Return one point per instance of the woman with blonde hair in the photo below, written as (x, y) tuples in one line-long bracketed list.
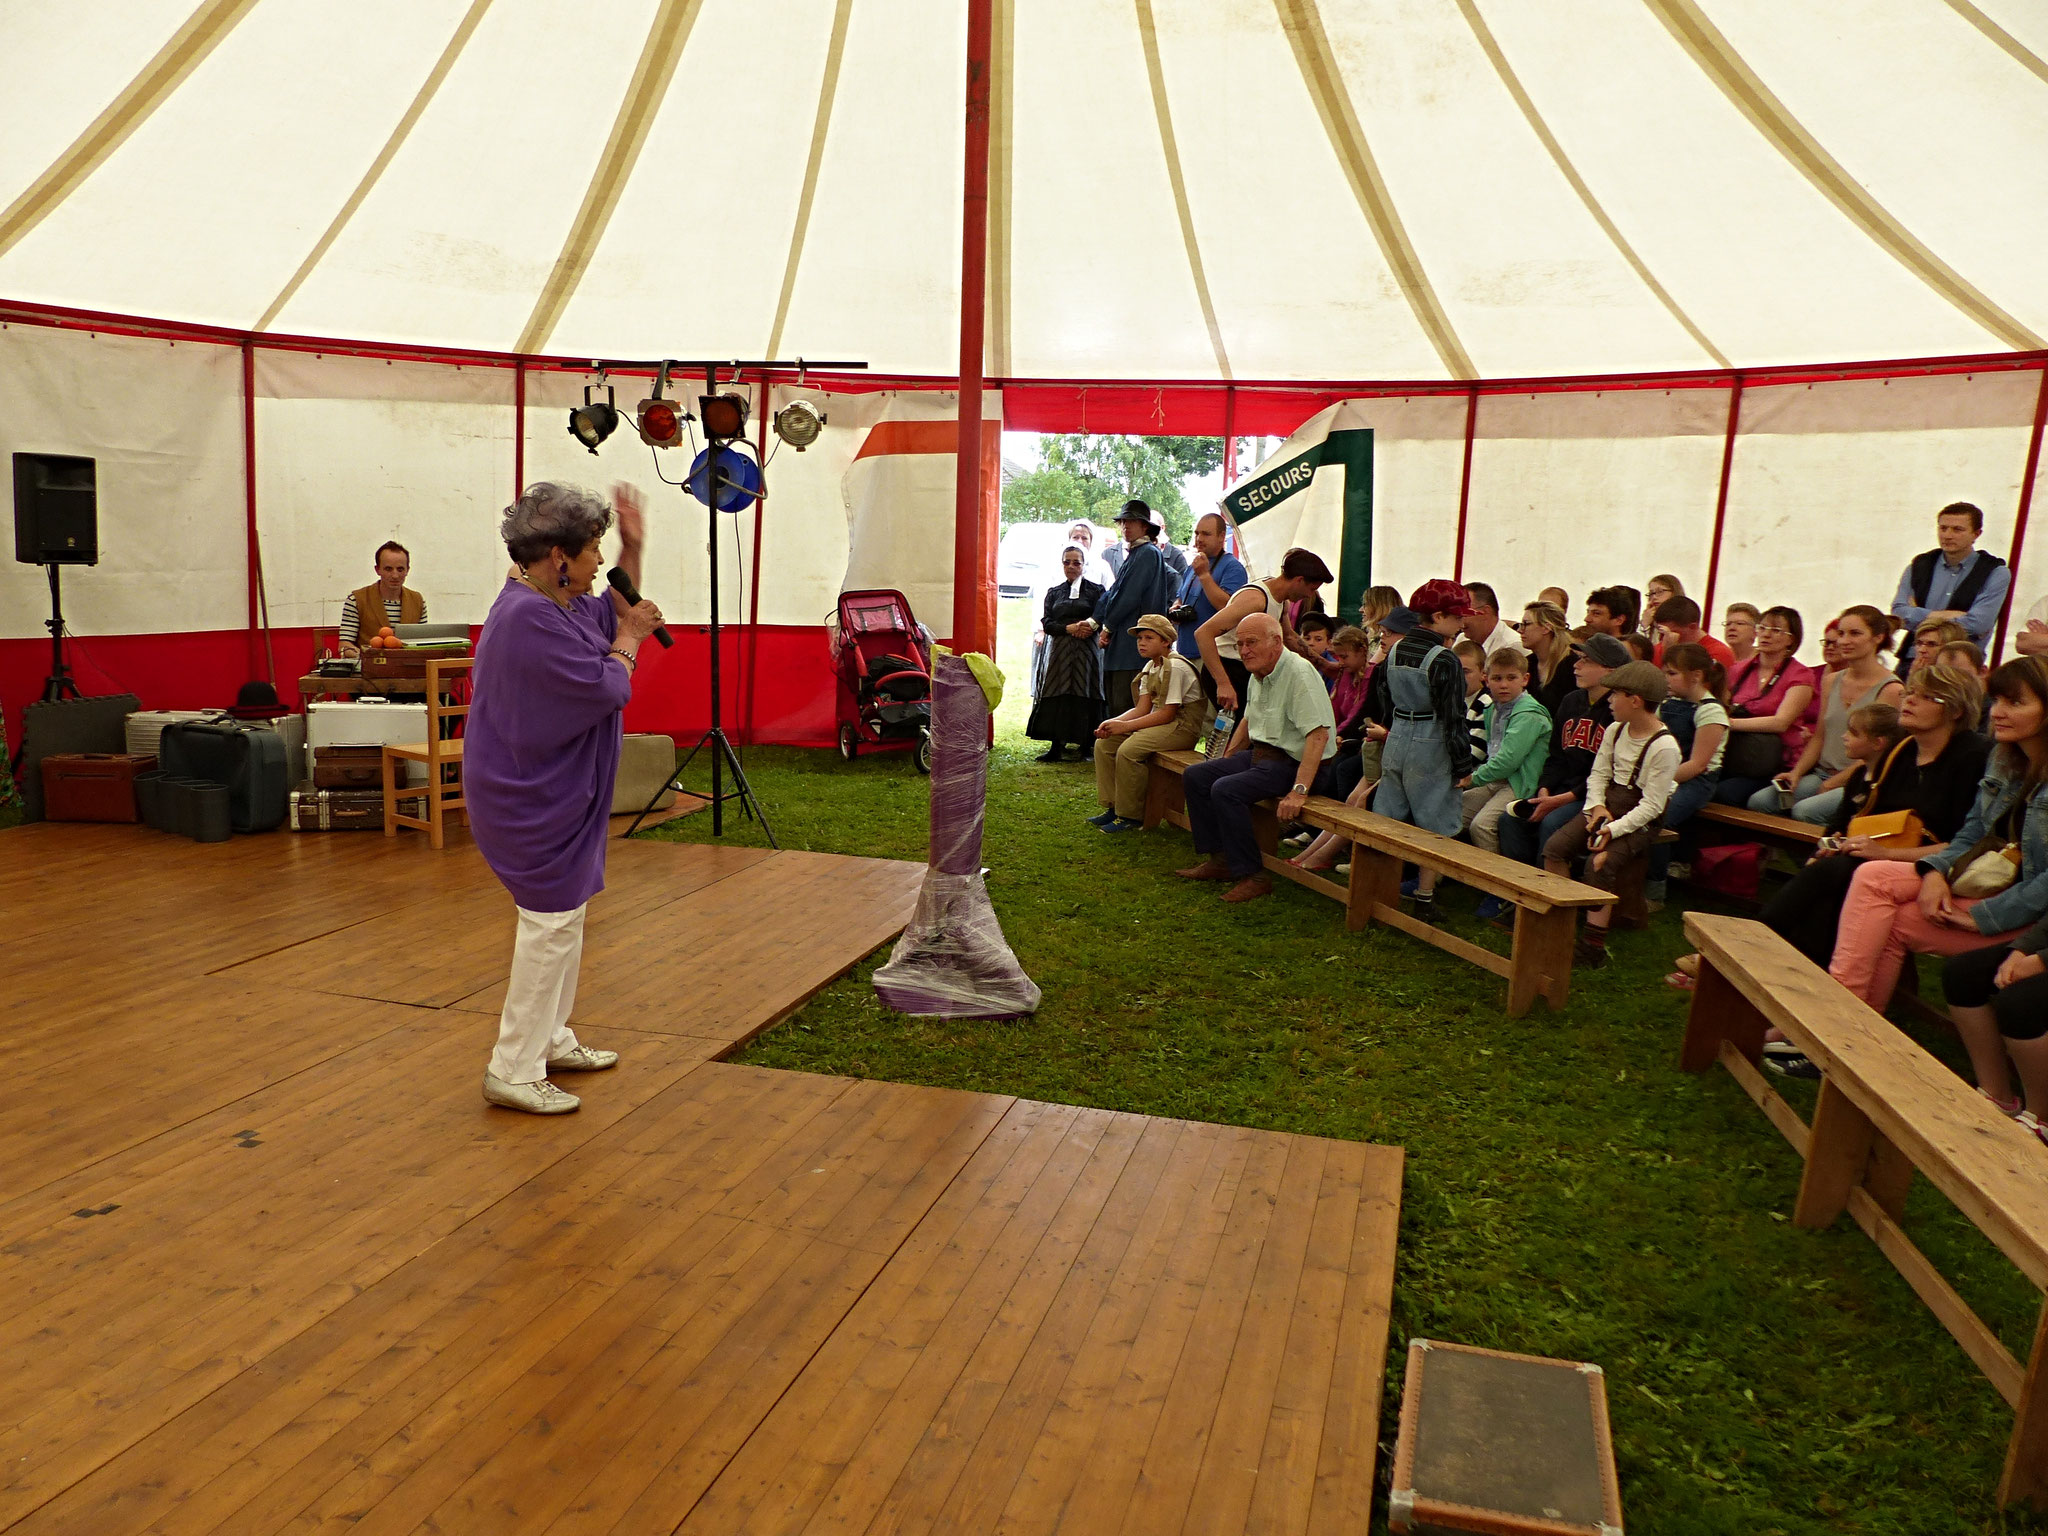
[(1546, 635), (1372, 618)]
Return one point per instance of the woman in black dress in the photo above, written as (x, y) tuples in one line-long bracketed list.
[(1068, 704)]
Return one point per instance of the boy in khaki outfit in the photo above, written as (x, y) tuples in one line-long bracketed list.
[(1169, 716)]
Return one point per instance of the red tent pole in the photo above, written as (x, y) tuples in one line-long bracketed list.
[(754, 592), (255, 557), (974, 534), (1721, 502), (2019, 524), (1465, 481), (518, 429), (1229, 436)]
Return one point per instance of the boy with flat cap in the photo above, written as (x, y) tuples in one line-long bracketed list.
[(1170, 715)]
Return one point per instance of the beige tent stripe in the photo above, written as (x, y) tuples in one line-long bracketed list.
[(1154, 72), (1002, 102), (385, 156), (828, 91), (1718, 59), (1318, 64), (176, 60), (665, 41), (1491, 46), (2024, 56)]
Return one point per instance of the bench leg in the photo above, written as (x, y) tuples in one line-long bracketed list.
[(1375, 877), (1542, 958), (1838, 1152), (2026, 1454), (1718, 1013), (1888, 1176), (1163, 794)]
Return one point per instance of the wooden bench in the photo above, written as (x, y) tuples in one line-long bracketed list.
[(1780, 829), (1886, 1108), (1540, 963)]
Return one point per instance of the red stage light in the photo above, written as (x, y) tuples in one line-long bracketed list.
[(660, 423)]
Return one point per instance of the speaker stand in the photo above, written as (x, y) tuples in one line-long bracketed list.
[(59, 685)]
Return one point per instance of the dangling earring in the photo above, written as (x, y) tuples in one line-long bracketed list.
[(562, 578)]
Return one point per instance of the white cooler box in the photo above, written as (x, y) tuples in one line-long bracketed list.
[(352, 723)]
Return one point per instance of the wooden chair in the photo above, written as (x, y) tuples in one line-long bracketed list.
[(440, 752), (1886, 1110), (1546, 905)]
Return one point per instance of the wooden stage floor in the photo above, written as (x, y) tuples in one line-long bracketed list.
[(270, 1263)]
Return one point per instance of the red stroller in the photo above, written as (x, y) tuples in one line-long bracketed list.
[(884, 660)]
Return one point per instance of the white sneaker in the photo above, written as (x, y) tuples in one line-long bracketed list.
[(583, 1059), (541, 1098)]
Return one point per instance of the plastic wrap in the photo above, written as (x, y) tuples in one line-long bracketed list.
[(952, 961)]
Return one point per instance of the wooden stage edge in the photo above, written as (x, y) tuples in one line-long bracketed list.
[(273, 1265)]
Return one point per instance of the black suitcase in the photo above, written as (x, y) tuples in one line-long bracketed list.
[(250, 762)]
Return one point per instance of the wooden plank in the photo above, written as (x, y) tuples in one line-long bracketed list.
[(1838, 1147), (1429, 933), (1541, 965), (1344, 1470), (1718, 1016), (1784, 828), (1494, 873), (1993, 1171), (1768, 1099), (2025, 1478)]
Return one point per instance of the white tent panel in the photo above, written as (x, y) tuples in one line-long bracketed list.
[(457, 239), (1300, 287), (2026, 21), (212, 203), (1418, 456), (1764, 264), (899, 511), (59, 67), (1584, 491), (1836, 486), (694, 254), (1933, 118), (353, 451), (880, 279), (2030, 581), (1516, 260), (1099, 272), (165, 423)]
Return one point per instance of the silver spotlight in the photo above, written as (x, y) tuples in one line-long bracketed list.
[(798, 424)]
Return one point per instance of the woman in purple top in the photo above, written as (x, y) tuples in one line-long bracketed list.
[(554, 668)]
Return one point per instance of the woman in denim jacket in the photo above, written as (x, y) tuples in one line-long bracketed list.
[(1894, 908)]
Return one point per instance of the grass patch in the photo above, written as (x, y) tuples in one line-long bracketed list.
[(1569, 1191)]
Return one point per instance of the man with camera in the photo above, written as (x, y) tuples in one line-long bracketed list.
[(1214, 577)]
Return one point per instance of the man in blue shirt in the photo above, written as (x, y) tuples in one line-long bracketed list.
[(1958, 581), (1212, 576)]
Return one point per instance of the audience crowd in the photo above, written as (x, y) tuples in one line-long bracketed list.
[(1592, 750)]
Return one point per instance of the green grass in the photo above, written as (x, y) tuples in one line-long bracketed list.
[(1569, 1191)]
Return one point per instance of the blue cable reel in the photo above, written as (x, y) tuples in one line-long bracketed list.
[(740, 482)]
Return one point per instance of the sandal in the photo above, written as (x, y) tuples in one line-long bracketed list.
[(1678, 981), (1687, 965), (2025, 1119)]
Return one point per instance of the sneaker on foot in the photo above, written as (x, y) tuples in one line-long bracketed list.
[(583, 1059), (1108, 815), (1491, 907), (1798, 1064), (1342, 867), (541, 1098), (1124, 824), (1782, 1048), (1592, 956), (1411, 886), (1678, 871)]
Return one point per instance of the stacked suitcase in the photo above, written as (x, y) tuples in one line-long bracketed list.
[(250, 763), (346, 790), (92, 786)]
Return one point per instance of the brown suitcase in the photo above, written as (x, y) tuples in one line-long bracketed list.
[(348, 767), (1508, 1444), (92, 786), (314, 809), (380, 665)]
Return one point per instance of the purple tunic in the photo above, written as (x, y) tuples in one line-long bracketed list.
[(541, 750)]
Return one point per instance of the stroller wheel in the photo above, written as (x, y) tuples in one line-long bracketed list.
[(924, 751), (849, 743)]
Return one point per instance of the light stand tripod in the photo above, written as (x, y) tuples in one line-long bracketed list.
[(59, 684), (722, 754)]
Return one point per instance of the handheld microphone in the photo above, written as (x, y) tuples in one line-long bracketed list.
[(622, 584)]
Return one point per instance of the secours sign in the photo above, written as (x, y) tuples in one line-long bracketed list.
[(1316, 492)]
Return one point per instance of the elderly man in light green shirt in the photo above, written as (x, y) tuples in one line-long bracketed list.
[(1275, 752)]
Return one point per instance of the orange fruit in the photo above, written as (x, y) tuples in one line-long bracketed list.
[(387, 632)]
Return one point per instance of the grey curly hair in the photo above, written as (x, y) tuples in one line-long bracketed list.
[(548, 515)]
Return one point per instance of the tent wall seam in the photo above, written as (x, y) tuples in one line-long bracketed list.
[(1155, 75), (2029, 472), (1002, 106), (1490, 46), (1303, 25), (421, 100), (1745, 90), (174, 62), (666, 40), (821, 125), (2021, 54)]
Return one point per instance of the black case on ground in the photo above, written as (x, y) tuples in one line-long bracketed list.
[(250, 762)]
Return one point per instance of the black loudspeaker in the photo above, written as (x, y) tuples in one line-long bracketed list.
[(56, 510)]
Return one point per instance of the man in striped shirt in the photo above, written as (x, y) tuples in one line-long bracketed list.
[(387, 600)]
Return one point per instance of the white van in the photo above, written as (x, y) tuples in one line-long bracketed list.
[(1028, 558)]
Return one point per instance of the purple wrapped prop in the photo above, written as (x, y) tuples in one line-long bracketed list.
[(952, 961)]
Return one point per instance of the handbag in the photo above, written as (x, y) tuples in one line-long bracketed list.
[(1751, 754), (1890, 829), (1986, 874)]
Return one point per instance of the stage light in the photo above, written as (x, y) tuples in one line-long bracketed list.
[(660, 422), (798, 424), (724, 416), (593, 421)]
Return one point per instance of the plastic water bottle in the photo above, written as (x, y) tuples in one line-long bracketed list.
[(1220, 732)]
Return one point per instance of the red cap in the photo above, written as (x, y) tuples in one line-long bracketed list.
[(1441, 596)]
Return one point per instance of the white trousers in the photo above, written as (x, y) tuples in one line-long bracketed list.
[(535, 1023)]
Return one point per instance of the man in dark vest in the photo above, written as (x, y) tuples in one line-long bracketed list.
[(1957, 581), (1145, 584), (387, 600)]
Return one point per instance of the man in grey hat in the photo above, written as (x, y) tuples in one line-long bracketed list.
[(1582, 718)]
